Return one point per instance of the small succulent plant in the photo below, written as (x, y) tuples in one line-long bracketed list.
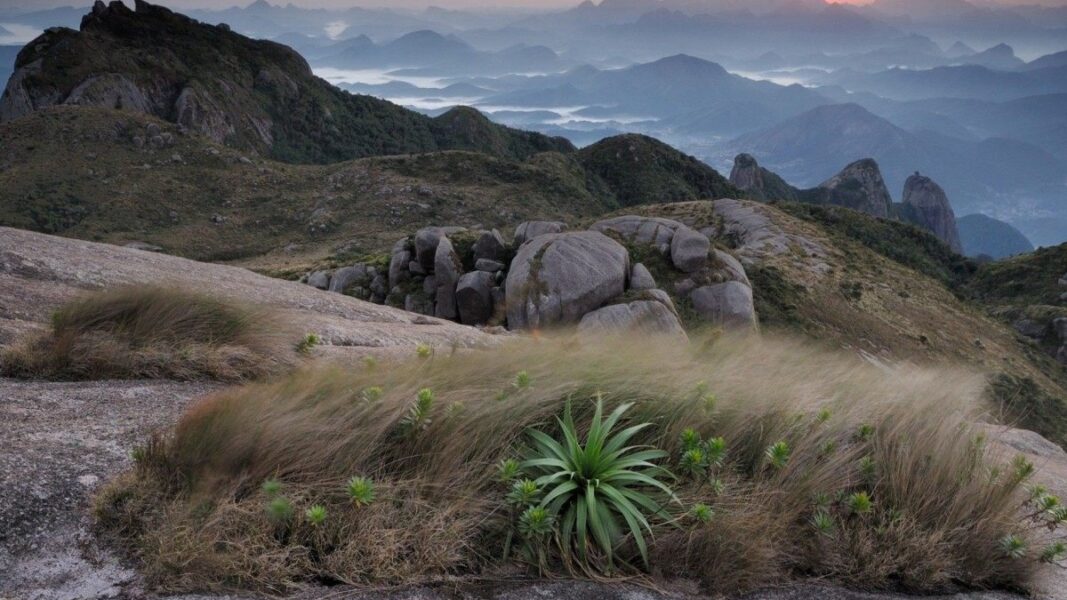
[(777, 454), (272, 487), (316, 515), (361, 490), (702, 512)]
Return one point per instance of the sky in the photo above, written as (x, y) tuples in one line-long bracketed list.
[(499, 4)]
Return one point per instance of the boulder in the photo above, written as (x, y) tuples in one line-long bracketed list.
[(1063, 280), (426, 241), (641, 230), (399, 271), (319, 279), (732, 267), (488, 265), (379, 287), (447, 269), (143, 246), (474, 298), (641, 279), (926, 205), (1030, 328), (1062, 355), (689, 250), (646, 317), (489, 245), (531, 229), (345, 277), (558, 278), (1061, 328), (660, 296), (727, 304)]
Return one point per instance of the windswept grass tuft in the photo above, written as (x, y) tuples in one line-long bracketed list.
[(857, 475), (153, 332)]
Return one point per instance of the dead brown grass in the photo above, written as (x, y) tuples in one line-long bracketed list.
[(155, 333), (194, 513)]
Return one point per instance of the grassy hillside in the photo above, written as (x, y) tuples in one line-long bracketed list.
[(250, 94), (1027, 279), (641, 169)]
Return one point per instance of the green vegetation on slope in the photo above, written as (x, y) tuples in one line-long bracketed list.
[(642, 170), (1026, 279), (736, 463)]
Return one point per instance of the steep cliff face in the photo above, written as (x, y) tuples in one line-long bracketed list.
[(251, 94), (926, 205), (858, 186), (761, 184)]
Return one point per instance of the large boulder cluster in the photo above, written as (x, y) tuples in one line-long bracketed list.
[(548, 276)]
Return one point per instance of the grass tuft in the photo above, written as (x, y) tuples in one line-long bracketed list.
[(149, 332)]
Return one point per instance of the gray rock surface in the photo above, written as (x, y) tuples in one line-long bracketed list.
[(858, 186), (641, 279), (345, 277), (474, 298), (1030, 328), (489, 245), (727, 304), (558, 278), (927, 205), (530, 229), (756, 237), (489, 265), (641, 230), (731, 267), (1060, 326), (447, 269), (426, 240), (646, 317), (319, 280), (689, 249)]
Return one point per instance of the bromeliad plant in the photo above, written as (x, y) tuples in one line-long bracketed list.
[(598, 489)]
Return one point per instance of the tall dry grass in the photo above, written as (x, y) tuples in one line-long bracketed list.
[(153, 332), (194, 512)]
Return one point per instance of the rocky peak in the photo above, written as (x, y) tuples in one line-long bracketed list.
[(858, 186), (761, 184), (926, 205)]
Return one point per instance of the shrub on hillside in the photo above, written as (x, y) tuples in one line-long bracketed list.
[(855, 476), (152, 332)]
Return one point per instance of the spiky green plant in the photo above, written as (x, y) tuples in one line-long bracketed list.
[(361, 490), (859, 503), (535, 522), (424, 350), (306, 344), (370, 361), (822, 522), (272, 487), (715, 448), (690, 439), (594, 484), (524, 492), (372, 394), (865, 432), (508, 470), (522, 380), (1054, 552), (1013, 546), (823, 415), (868, 469), (316, 515), (418, 416), (694, 461), (702, 512), (777, 454), (280, 510)]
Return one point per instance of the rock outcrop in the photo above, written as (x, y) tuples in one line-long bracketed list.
[(761, 184), (858, 186), (926, 205), (560, 278)]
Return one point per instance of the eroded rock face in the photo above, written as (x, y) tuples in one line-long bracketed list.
[(858, 186), (760, 183), (447, 270), (726, 304), (641, 279), (641, 230), (348, 276), (689, 249), (490, 245), (647, 317), (474, 298), (320, 280), (555, 279), (926, 204), (531, 229)]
